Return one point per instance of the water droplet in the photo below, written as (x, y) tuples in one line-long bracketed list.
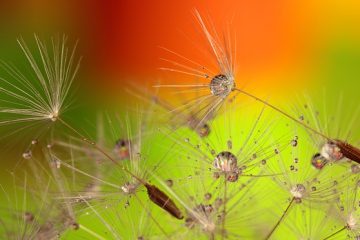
[(207, 196), (169, 183), (226, 162), (221, 85), (229, 144), (27, 155), (263, 162), (294, 143)]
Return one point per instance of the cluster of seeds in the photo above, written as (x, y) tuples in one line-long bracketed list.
[(207, 169)]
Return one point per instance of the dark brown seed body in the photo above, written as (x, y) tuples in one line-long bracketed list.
[(162, 200), (348, 150)]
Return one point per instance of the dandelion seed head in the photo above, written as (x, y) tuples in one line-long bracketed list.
[(222, 85), (129, 188), (298, 191), (351, 221)]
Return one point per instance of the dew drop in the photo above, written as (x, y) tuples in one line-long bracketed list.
[(27, 155), (169, 183), (207, 196)]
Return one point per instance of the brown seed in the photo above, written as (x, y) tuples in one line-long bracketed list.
[(162, 200), (349, 151)]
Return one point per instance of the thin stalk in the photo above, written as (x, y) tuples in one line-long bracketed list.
[(281, 219), (98, 148), (335, 233), (152, 217), (92, 233), (224, 211), (283, 113)]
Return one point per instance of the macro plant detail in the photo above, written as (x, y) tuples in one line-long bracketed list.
[(226, 164)]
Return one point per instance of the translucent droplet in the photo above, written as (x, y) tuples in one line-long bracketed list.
[(34, 142), (226, 162), (221, 85), (318, 161), (169, 183), (313, 188), (207, 196), (263, 162), (294, 143), (122, 149), (276, 151), (27, 155), (28, 217), (187, 140)]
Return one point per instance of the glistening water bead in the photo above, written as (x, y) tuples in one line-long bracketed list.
[(226, 162), (221, 85), (122, 148), (318, 161)]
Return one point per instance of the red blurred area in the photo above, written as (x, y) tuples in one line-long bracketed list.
[(126, 35), (120, 39)]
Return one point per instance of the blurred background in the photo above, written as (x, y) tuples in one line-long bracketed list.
[(284, 48)]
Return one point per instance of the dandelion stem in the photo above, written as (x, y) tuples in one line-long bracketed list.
[(92, 233), (283, 113), (97, 147), (335, 233), (224, 211), (281, 219)]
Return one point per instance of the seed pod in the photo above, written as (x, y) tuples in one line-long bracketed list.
[(348, 150), (162, 200)]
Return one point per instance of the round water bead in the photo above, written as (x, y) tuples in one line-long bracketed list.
[(27, 155), (318, 161), (203, 130), (226, 162), (221, 85), (331, 152), (128, 188), (122, 148), (232, 176), (169, 182), (28, 217), (298, 191)]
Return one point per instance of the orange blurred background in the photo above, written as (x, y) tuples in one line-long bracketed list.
[(278, 42)]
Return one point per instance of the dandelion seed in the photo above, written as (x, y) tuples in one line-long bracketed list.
[(46, 98)]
